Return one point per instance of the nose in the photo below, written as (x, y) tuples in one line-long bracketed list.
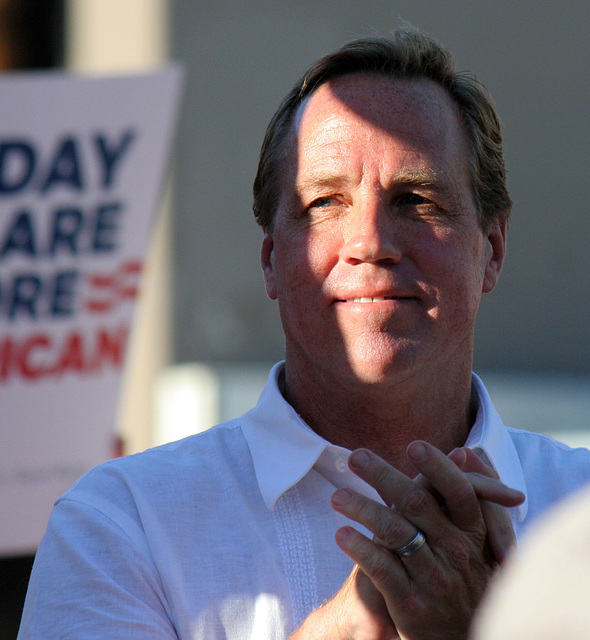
[(370, 234)]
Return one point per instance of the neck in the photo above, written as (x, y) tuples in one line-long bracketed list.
[(386, 418)]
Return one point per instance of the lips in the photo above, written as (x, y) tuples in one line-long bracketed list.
[(366, 298), (373, 293), (369, 299)]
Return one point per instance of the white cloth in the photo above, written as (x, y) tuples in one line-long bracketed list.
[(542, 593), (229, 534)]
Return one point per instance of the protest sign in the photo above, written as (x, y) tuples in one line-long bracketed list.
[(82, 165)]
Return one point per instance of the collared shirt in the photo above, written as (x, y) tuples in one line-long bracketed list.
[(229, 534)]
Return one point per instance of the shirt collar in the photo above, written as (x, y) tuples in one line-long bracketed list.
[(275, 432), (490, 439)]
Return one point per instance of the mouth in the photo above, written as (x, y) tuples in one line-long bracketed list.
[(378, 302), (367, 300)]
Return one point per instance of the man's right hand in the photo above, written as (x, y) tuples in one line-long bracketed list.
[(357, 611)]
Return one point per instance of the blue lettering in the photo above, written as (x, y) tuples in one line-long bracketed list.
[(38, 295), (20, 236), (62, 231), (63, 298), (106, 227), (111, 156), (65, 168), (17, 164), (67, 225), (25, 293)]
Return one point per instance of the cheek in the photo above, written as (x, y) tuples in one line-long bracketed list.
[(311, 257), (321, 254), (455, 267)]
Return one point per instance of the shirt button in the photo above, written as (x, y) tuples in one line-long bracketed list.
[(341, 464)]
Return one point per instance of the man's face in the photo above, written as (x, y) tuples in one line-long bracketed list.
[(376, 255)]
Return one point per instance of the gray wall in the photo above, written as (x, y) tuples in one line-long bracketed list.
[(242, 57)]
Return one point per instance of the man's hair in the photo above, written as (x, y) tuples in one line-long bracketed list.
[(406, 54)]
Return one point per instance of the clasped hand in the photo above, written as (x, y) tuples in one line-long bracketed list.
[(459, 505)]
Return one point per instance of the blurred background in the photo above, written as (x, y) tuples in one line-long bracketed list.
[(205, 333)]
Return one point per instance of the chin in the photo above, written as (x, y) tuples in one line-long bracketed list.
[(375, 376), (382, 362)]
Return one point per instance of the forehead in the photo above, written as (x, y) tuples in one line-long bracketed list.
[(418, 114)]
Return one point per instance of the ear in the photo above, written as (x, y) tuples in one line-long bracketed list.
[(496, 240), (267, 262)]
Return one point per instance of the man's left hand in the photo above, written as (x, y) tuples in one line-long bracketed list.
[(433, 592)]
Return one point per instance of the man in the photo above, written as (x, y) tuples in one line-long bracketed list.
[(381, 193)]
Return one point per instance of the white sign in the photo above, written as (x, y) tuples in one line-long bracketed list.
[(82, 162)]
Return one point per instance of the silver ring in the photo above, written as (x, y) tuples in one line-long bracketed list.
[(410, 549)]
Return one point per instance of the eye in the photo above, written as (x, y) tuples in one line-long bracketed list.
[(321, 203), (415, 205), (412, 199)]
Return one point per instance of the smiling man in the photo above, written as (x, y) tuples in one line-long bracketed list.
[(377, 256), (366, 495)]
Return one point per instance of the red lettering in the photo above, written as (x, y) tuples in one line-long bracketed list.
[(25, 359), (40, 355), (6, 351), (72, 355), (111, 347)]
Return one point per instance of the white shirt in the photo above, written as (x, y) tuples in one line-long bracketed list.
[(229, 534)]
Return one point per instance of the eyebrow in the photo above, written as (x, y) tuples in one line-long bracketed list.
[(418, 177), (430, 178), (427, 177), (319, 180)]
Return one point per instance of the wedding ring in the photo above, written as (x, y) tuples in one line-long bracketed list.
[(410, 549)]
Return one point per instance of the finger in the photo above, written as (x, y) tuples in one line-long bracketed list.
[(467, 460), (450, 482), (385, 570), (462, 458), (495, 491), (501, 537), (391, 578), (493, 496), (388, 481), (417, 505), (485, 479), (390, 528), (485, 489), (359, 585)]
